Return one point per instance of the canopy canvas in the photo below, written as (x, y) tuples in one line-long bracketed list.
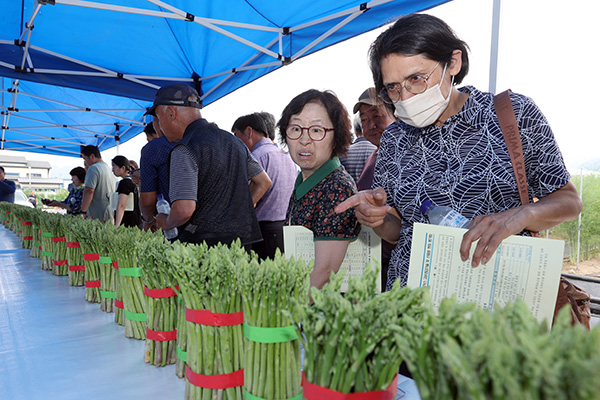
[(99, 63)]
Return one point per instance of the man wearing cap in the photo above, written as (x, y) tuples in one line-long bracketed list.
[(358, 152), (375, 116), (209, 170), (154, 173)]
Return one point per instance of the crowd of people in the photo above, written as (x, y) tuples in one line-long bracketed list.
[(418, 137)]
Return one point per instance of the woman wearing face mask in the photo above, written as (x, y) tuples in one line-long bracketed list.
[(447, 147)]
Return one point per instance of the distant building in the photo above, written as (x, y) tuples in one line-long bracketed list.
[(30, 174)]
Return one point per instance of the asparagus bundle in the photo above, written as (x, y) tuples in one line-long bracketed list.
[(27, 229), (47, 256), (74, 253), (88, 239), (130, 281), (469, 353), (60, 265), (351, 342), (181, 344), (36, 243), (108, 236), (272, 346), (161, 301), (214, 313)]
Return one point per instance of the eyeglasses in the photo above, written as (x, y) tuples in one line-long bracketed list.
[(415, 84), (315, 132)]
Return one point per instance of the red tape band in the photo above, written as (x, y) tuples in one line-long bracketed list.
[(119, 304), (76, 267), (59, 239), (73, 245), (314, 392), (205, 317), (161, 336), (160, 293), (26, 223), (27, 237), (91, 257), (115, 265), (92, 284), (60, 262), (224, 381)]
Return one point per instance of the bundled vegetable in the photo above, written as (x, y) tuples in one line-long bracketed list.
[(469, 353), (108, 236), (181, 344), (47, 256), (130, 280), (88, 239), (161, 301), (60, 265), (36, 242), (272, 346), (26, 235), (215, 346), (352, 342), (75, 261)]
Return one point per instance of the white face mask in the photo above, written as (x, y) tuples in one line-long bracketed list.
[(423, 109)]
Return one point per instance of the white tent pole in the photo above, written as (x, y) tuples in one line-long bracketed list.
[(494, 46), (579, 227)]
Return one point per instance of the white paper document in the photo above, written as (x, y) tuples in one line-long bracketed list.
[(298, 242), (522, 267)]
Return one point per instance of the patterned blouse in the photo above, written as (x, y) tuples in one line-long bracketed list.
[(73, 200), (313, 202), (465, 165)]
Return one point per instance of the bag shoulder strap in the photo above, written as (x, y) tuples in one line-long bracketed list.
[(512, 137)]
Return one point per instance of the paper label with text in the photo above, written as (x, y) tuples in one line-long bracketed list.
[(522, 267)]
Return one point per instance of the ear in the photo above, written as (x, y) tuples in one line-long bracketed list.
[(248, 131), (455, 63)]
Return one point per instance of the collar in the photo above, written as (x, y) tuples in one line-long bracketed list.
[(303, 187), (262, 142), (194, 125)]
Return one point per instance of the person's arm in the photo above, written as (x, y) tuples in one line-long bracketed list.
[(559, 206), (329, 255), (88, 194), (120, 208), (8, 186), (181, 212), (259, 185), (371, 210), (148, 209), (59, 204)]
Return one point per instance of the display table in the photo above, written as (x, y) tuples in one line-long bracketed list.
[(55, 345)]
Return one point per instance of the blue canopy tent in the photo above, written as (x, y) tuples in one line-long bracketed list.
[(131, 50)]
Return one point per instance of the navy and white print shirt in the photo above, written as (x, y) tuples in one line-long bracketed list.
[(465, 165)]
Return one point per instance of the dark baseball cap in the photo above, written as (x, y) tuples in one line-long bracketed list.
[(178, 94), (368, 97)]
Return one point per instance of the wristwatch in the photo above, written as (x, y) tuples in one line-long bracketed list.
[(149, 222)]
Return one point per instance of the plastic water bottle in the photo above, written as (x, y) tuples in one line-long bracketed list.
[(444, 216), (163, 207)]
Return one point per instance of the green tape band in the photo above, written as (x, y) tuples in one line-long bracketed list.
[(133, 272), (249, 396), (105, 260), (182, 355), (108, 294), (139, 317), (47, 253), (270, 335), (47, 234), (36, 244)]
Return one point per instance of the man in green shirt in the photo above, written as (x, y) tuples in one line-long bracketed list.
[(99, 183)]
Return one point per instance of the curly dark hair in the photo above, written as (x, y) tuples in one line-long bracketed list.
[(342, 135), (416, 34)]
